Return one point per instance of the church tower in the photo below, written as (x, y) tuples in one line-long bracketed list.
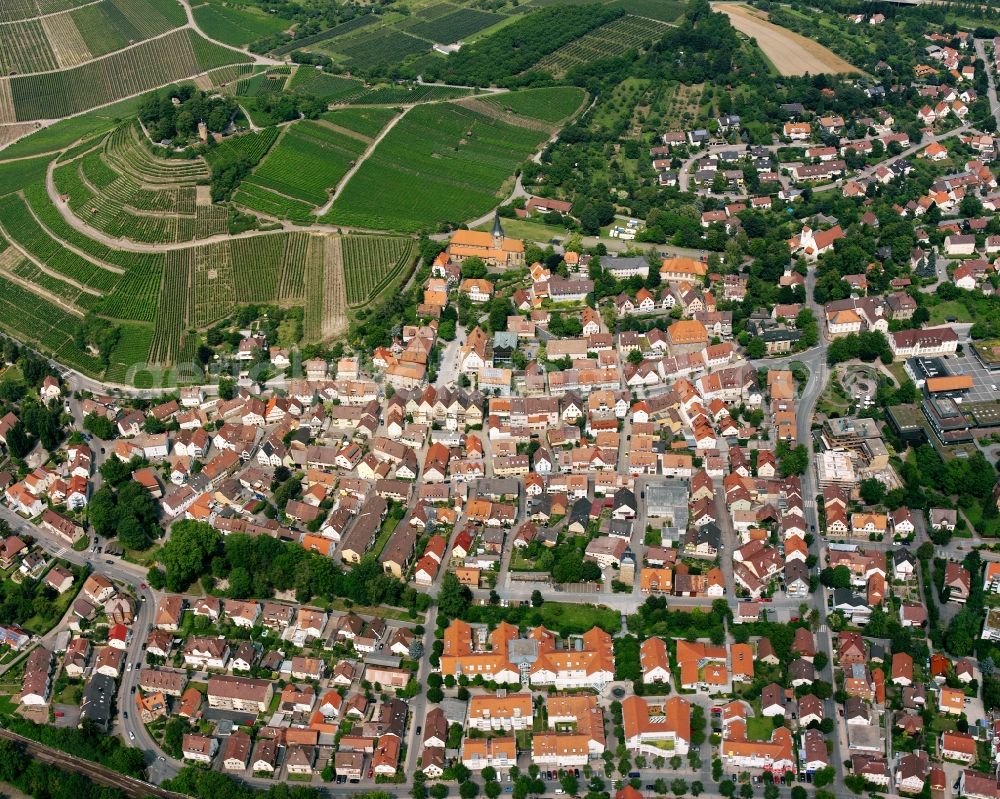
[(498, 236)]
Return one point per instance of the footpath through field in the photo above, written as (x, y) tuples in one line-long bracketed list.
[(325, 208)]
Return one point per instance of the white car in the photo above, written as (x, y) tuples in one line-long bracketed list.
[(131, 735), (129, 667)]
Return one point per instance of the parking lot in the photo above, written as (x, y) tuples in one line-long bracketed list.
[(982, 379)]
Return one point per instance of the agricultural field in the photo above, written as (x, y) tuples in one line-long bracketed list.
[(330, 33), (72, 37), (455, 26), (131, 353), (271, 204), (406, 94), (174, 295), (307, 161), (28, 317), (110, 25), (383, 46), (322, 85), (49, 95), (440, 164), (261, 83), (553, 105), (20, 227), (371, 263), (790, 52), (610, 40), (253, 146), (366, 123), (238, 25), (24, 47), (13, 10)]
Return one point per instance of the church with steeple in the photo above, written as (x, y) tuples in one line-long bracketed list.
[(494, 248)]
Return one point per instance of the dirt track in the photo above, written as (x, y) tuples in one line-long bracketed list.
[(791, 53)]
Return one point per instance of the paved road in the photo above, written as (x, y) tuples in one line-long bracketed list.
[(991, 92), (816, 362), (193, 23)]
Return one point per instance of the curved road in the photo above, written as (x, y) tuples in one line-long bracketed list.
[(193, 23)]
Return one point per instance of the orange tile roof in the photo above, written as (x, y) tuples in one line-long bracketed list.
[(949, 383), (742, 656)]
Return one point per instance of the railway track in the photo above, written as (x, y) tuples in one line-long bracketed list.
[(138, 789)]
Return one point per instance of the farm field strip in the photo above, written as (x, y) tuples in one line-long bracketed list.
[(130, 263), (292, 284), (370, 263), (312, 311), (68, 46), (334, 310), (252, 145), (384, 46), (110, 25), (332, 88), (173, 307), (791, 53), (235, 25), (607, 41), (307, 161), (552, 105), (256, 266), (127, 154), (323, 36), (365, 123), (265, 201), (8, 113), (125, 73), (31, 318), (455, 25), (22, 228), (132, 350), (24, 47), (16, 10), (396, 95)]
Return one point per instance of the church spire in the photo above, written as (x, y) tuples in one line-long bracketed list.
[(498, 234)]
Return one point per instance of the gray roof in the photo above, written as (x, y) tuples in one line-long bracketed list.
[(98, 695)]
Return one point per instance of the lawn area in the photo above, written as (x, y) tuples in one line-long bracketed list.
[(943, 724), (7, 706), (898, 369), (70, 695), (383, 537), (40, 625), (564, 614), (519, 563), (382, 611), (142, 557), (943, 310), (528, 230), (759, 728)]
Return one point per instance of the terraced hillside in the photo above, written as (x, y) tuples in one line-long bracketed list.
[(117, 234), (98, 220)]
